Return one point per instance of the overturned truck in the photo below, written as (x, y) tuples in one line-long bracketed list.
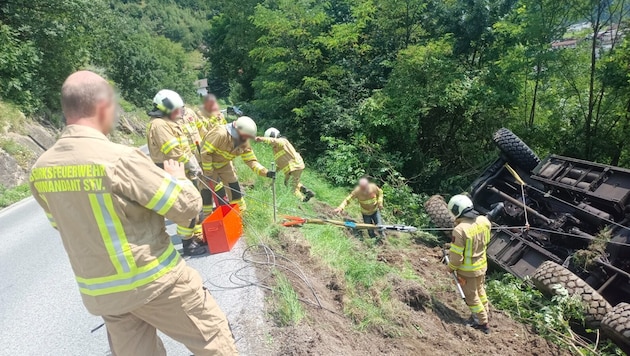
[(565, 222)]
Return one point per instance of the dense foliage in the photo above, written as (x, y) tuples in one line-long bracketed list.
[(408, 91), (419, 86), (142, 46)]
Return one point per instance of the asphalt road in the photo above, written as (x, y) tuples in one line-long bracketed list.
[(41, 311)]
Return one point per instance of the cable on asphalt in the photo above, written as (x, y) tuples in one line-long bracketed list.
[(271, 261)]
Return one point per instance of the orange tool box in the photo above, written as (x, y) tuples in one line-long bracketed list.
[(223, 228)]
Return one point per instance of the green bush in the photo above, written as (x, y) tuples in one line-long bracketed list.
[(9, 196)]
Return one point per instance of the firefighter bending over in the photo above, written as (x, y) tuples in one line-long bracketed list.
[(108, 202), (467, 257), (167, 139), (220, 146), (288, 161), (370, 198)]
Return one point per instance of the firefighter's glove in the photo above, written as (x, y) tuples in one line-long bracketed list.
[(271, 174), (193, 167)]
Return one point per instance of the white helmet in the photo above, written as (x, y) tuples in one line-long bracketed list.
[(246, 126), (460, 204), (167, 101), (272, 132)]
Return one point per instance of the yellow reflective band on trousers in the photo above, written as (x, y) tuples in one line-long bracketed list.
[(165, 197), (476, 308), (185, 231), (112, 232), (137, 277), (483, 298)]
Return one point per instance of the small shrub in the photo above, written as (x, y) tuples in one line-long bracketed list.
[(9, 196)]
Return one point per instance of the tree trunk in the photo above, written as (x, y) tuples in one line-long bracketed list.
[(532, 111)]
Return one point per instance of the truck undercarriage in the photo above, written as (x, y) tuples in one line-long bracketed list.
[(565, 221)]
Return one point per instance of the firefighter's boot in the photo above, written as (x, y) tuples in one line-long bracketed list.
[(193, 248), (308, 194)]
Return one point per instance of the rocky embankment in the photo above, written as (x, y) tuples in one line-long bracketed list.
[(19, 148)]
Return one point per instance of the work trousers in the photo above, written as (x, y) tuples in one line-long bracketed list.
[(186, 312), (476, 298), (374, 219), (226, 175), (292, 180)]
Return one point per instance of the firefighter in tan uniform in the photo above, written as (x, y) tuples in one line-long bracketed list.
[(189, 121), (370, 198), (467, 256), (108, 202), (167, 138), (210, 115), (288, 161), (220, 146)]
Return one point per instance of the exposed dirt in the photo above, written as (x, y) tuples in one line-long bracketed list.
[(432, 316)]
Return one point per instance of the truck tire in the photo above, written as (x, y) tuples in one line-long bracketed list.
[(616, 325), (438, 212), (515, 150), (550, 274)]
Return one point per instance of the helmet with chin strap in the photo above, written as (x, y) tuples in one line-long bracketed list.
[(459, 205)]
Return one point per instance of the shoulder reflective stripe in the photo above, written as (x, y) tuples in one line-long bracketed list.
[(138, 277), (112, 232), (169, 145), (165, 197), (457, 249)]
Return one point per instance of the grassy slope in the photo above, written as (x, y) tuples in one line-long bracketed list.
[(368, 306)]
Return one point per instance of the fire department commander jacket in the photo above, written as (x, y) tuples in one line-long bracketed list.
[(108, 202)]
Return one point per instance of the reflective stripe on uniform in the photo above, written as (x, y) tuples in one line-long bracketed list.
[(457, 249), (248, 156), (258, 168), (481, 263), (169, 145), (165, 197), (279, 154), (477, 308), (210, 148), (483, 298), (185, 231), (137, 277), (51, 220), (368, 201), (208, 166), (112, 232)]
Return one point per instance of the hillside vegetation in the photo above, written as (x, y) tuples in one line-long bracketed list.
[(395, 297)]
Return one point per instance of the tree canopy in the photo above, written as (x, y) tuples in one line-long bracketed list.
[(403, 90)]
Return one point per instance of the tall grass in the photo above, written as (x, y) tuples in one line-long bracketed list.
[(367, 304)]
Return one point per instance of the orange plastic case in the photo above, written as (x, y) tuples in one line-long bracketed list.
[(223, 228)]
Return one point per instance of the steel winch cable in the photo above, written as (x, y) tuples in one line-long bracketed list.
[(271, 261)]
